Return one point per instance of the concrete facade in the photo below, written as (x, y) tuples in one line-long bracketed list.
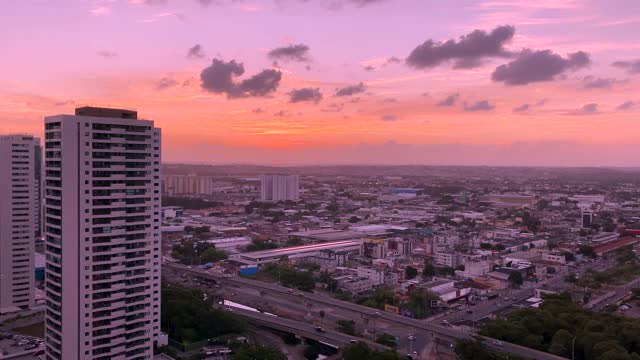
[(19, 219), (102, 208), (279, 187)]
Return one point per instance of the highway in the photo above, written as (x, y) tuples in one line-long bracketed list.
[(434, 329), (303, 329)]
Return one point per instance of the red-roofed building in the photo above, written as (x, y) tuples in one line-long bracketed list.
[(612, 246)]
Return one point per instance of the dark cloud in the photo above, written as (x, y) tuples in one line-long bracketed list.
[(389, 118), (334, 108), (195, 52), (449, 100), (282, 113), (587, 109), (187, 82), (469, 51), (165, 83), (591, 82), (305, 94), (369, 68), (393, 60), (626, 105), (389, 101), (107, 53), (219, 78), (64, 103), (297, 52), (258, 111), (482, 105), (152, 2), (351, 90), (522, 108), (534, 66), (542, 102), (632, 66)]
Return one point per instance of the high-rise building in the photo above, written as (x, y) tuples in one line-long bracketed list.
[(587, 219), (187, 184), (279, 187), (19, 216), (102, 227)]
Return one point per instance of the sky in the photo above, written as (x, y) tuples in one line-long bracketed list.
[(280, 82)]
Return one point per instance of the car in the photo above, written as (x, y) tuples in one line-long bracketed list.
[(319, 329), (497, 342), (469, 312), (411, 338), (409, 356), (353, 341)]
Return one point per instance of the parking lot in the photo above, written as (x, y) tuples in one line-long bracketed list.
[(11, 343)]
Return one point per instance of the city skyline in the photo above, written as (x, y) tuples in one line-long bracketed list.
[(339, 82)]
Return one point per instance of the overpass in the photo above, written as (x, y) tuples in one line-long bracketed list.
[(434, 329), (303, 329)]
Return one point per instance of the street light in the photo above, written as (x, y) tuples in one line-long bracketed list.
[(573, 348)]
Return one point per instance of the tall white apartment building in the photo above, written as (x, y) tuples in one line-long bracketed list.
[(19, 214), (102, 227), (279, 187)]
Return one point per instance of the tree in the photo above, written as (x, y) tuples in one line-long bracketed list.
[(253, 352), (515, 279), (542, 204), (362, 351), (387, 340), (626, 256), (346, 326), (212, 255), (429, 270), (258, 245), (410, 272), (419, 303), (472, 350), (587, 251), (354, 219)]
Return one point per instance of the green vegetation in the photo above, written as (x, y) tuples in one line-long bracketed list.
[(618, 274), (290, 277), (189, 203), (346, 327), (410, 272), (419, 303), (361, 351), (253, 352), (476, 350), (258, 245), (558, 321), (387, 340), (196, 252), (380, 296), (488, 246), (188, 318)]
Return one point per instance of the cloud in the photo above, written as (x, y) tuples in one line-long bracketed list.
[(107, 53), (99, 11), (351, 90), (297, 52), (540, 65), (258, 110), (449, 100), (591, 82), (195, 52), (305, 94), (165, 83), (522, 108), (333, 108), (626, 105), (282, 113), (219, 78), (587, 109), (389, 118), (369, 68), (482, 105), (468, 52), (632, 66), (148, 2)]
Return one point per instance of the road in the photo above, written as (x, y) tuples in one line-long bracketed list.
[(434, 329), (304, 329)]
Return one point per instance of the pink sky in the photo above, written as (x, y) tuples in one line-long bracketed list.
[(507, 106)]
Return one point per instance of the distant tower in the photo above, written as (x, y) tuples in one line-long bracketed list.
[(279, 187), (20, 159), (587, 219)]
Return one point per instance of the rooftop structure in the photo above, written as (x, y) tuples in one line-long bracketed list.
[(273, 255)]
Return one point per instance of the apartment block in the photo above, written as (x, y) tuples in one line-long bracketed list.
[(20, 156), (279, 187), (102, 228)]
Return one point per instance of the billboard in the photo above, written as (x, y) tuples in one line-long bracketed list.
[(391, 309)]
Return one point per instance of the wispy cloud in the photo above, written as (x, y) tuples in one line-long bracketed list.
[(99, 11)]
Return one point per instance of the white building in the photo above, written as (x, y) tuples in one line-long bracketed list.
[(375, 275), (446, 259), (20, 157), (102, 196), (279, 187), (478, 268), (231, 243)]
